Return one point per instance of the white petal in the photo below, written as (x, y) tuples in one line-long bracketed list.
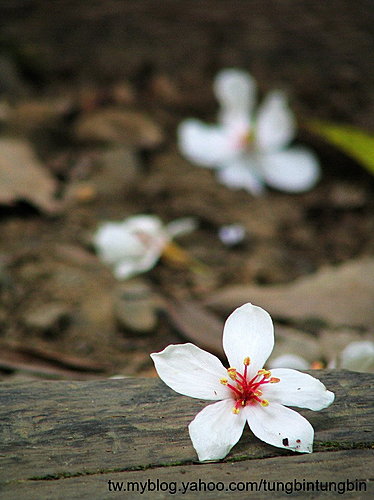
[(204, 145), (275, 125), (180, 227), (248, 331), (215, 430), (281, 427), (133, 265), (113, 242), (235, 90), (289, 361), (189, 370), (293, 170), (358, 356), (240, 173), (297, 389)]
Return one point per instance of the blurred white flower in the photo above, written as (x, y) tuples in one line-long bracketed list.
[(134, 245), (357, 356), (249, 148)]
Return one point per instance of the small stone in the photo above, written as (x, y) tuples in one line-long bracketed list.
[(48, 319), (136, 306)]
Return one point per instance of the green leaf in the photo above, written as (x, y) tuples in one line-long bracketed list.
[(353, 141)]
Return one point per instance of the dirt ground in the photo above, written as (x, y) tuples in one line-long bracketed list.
[(62, 313)]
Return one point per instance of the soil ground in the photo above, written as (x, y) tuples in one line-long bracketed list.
[(57, 313)]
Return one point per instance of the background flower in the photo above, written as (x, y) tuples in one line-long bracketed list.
[(134, 245), (249, 148)]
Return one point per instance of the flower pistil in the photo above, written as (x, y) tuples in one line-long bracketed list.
[(248, 392)]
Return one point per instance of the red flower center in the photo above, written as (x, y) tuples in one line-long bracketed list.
[(247, 392)]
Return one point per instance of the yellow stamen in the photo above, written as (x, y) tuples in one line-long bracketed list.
[(223, 381), (264, 373), (264, 402), (274, 380), (232, 373), (247, 361), (235, 410), (258, 393)]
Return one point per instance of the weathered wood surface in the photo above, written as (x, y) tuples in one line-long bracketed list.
[(68, 439)]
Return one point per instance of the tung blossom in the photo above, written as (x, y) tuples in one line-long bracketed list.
[(245, 392), (134, 245), (249, 148), (357, 356)]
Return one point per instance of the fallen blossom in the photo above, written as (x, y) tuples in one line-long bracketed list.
[(134, 245), (356, 356), (245, 392), (250, 148)]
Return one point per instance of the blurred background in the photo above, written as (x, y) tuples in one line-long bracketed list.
[(91, 95)]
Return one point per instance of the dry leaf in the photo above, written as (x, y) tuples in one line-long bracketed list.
[(341, 295), (118, 126), (197, 324), (23, 177)]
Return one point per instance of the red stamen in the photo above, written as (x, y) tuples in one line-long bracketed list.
[(239, 393), (248, 391)]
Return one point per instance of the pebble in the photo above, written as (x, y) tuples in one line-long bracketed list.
[(48, 318), (136, 306)]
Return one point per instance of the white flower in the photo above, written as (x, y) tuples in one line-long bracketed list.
[(249, 149), (245, 391), (134, 245), (356, 356)]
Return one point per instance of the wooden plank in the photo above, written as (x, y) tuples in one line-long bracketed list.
[(193, 481), (64, 429)]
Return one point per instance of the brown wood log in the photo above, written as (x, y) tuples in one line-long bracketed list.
[(69, 439)]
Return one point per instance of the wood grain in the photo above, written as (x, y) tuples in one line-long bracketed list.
[(66, 439)]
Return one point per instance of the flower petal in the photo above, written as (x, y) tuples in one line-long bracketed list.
[(297, 389), (248, 331), (275, 125), (281, 427), (133, 265), (113, 242), (293, 170), (191, 371), (235, 90), (180, 227), (240, 173), (215, 430), (204, 145), (358, 356)]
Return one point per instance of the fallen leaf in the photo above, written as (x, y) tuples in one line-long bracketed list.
[(23, 177), (119, 126), (197, 324), (337, 295), (354, 142), (296, 342)]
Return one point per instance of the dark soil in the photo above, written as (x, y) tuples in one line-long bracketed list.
[(49, 259)]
